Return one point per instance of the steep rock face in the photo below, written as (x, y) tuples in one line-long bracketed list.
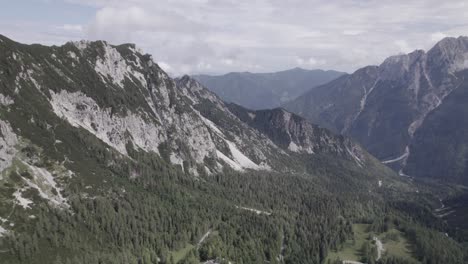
[(273, 132), (231, 133), (295, 134), (88, 110), (8, 141), (120, 96), (383, 107), (439, 148), (330, 105)]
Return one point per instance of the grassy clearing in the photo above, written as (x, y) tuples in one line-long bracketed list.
[(351, 248), (181, 253), (394, 242)]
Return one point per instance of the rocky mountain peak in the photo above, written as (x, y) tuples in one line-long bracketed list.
[(293, 133), (450, 53), (365, 72), (122, 98), (403, 60), (396, 66), (190, 83), (452, 44), (384, 107)]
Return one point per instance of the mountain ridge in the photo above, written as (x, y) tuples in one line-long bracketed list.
[(106, 159), (383, 107), (139, 104), (265, 90)]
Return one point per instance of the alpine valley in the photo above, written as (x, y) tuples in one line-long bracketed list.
[(106, 159), (409, 112)]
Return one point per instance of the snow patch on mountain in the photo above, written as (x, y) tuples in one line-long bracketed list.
[(8, 141)]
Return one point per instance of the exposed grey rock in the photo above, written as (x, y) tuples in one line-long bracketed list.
[(383, 107)]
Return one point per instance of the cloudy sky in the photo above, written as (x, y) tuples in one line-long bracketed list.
[(219, 36)]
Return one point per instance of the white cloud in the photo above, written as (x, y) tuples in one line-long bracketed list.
[(71, 27), (165, 66), (353, 32), (309, 62), (403, 46), (266, 35), (438, 36), (204, 66), (228, 62)]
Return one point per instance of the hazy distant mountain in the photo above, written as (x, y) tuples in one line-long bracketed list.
[(411, 112), (265, 90)]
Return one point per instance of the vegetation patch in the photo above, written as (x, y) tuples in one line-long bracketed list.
[(362, 248)]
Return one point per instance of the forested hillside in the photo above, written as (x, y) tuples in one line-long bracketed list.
[(106, 159)]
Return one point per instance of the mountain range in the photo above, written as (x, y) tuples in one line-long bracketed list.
[(409, 111), (106, 159), (265, 90)]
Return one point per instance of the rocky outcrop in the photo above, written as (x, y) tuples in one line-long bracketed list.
[(123, 98)]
